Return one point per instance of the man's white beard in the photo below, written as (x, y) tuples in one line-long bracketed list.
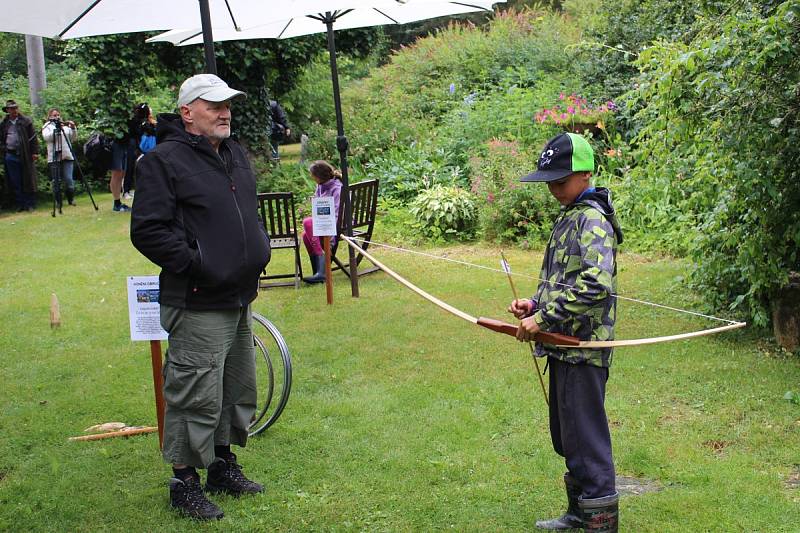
[(223, 136)]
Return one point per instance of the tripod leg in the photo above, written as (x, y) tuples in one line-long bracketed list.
[(55, 168), (53, 184), (80, 174)]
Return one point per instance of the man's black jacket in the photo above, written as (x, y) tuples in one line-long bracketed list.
[(195, 215)]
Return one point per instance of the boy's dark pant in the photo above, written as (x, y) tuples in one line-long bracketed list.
[(579, 427)]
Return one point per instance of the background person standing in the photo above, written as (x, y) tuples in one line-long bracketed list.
[(279, 128), (59, 136), (20, 147)]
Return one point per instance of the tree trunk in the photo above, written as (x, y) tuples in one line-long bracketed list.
[(786, 314), (37, 80)]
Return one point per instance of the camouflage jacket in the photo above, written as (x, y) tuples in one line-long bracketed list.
[(580, 269)]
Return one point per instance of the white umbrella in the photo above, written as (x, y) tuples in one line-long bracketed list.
[(366, 13), (371, 13), (69, 19)]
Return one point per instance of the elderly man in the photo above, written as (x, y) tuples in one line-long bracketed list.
[(195, 215), (20, 145)]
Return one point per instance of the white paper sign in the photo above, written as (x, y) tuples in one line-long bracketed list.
[(144, 311), (323, 217)]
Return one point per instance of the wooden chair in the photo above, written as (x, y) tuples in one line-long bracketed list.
[(364, 203), (278, 216)]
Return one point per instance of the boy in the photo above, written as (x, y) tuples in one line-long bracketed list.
[(577, 299)]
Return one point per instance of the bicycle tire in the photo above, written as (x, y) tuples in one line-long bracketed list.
[(263, 418)]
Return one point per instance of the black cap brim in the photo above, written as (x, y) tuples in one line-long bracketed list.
[(547, 175)]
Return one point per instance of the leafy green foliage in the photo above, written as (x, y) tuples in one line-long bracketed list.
[(405, 171), (117, 80), (122, 71), (617, 31), (310, 101), (444, 213), (12, 55), (285, 177), (717, 155), (395, 223), (423, 85)]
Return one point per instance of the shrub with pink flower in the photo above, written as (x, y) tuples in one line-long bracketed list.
[(575, 109), (509, 211)]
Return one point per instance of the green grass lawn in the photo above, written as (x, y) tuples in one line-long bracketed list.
[(401, 418)]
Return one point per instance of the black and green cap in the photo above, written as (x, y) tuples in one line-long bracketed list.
[(562, 155)]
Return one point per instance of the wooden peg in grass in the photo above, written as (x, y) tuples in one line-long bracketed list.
[(55, 312)]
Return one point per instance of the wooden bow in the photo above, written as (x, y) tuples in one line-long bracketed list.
[(558, 340)]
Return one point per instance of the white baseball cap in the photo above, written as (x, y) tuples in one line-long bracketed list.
[(208, 87)]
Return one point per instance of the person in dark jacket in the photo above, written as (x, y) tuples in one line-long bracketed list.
[(195, 215), (577, 298), (140, 123), (279, 128), (20, 147)]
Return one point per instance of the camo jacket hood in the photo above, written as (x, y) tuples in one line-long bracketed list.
[(580, 269)]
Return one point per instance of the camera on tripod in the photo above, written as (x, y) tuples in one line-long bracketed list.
[(56, 123)]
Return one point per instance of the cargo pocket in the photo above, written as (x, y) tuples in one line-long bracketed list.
[(190, 380)]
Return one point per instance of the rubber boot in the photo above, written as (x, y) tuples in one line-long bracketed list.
[(71, 196), (318, 264), (600, 515), (572, 518)]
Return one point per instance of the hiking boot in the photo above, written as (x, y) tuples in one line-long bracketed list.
[(121, 208), (225, 475), (571, 519), (186, 496)]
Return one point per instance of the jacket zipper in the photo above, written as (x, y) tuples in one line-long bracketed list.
[(236, 202)]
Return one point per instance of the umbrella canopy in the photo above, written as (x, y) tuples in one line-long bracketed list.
[(360, 14), (371, 13), (69, 19)]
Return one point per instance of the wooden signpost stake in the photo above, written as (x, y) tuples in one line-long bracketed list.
[(326, 242), (158, 385)]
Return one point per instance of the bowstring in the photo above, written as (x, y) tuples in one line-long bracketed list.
[(535, 278)]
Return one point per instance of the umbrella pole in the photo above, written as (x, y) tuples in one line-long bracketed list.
[(342, 145), (208, 39)]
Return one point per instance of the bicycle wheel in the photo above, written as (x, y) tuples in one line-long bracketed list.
[(273, 373)]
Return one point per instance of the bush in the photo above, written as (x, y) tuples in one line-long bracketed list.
[(404, 171), (718, 154), (508, 210), (285, 177), (395, 223), (445, 213), (311, 99), (427, 85)]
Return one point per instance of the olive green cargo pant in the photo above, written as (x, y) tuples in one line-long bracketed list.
[(209, 382)]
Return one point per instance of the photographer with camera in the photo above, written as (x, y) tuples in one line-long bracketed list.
[(59, 135)]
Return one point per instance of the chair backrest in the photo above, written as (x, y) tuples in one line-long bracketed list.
[(364, 203), (278, 215)]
